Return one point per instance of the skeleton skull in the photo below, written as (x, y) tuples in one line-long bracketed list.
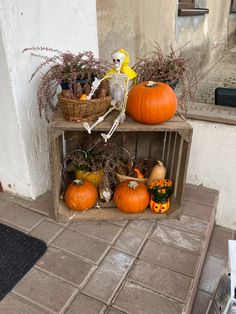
[(118, 60)]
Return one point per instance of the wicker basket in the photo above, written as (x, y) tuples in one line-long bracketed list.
[(76, 110), (122, 178)]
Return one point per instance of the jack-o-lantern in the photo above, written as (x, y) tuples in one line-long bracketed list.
[(160, 193), (160, 207)]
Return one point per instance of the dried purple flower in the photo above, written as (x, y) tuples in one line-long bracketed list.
[(63, 66)]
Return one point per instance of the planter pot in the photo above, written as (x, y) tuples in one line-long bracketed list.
[(94, 177), (172, 84), (160, 207)]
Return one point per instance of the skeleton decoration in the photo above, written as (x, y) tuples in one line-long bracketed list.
[(121, 79)]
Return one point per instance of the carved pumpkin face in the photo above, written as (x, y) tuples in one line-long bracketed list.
[(159, 207)]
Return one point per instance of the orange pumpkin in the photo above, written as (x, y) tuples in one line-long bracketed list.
[(81, 195), (151, 103), (131, 196)]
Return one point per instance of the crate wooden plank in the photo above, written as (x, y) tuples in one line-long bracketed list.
[(183, 167), (156, 145), (55, 156), (177, 122), (129, 142), (112, 213), (169, 142), (143, 145)]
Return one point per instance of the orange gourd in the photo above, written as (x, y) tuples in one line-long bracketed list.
[(138, 173), (131, 196), (151, 103), (81, 195)]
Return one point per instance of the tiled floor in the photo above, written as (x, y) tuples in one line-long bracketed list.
[(140, 266)]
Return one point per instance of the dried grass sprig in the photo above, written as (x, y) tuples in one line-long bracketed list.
[(171, 68), (63, 67)]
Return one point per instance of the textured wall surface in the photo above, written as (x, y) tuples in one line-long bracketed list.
[(64, 25), (212, 163), (137, 25)]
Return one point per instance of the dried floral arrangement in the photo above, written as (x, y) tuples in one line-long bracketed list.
[(94, 155), (172, 68), (65, 68)]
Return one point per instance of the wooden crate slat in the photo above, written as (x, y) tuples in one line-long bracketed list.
[(156, 145), (129, 142), (169, 142), (142, 145)]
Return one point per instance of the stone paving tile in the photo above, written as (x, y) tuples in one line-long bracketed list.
[(161, 280), (20, 216), (44, 204), (186, 223), (201, 194), (211, 273), (102, 229), (176, 259), (197, 210), (114, 311), (133, 236), (46, 231), (135, 299), (85, 305), (121, 223), (64, 265), (15, 199), (201, 303), (45, 290), (219, 242), (107, 277), (81, 244), (12, 304), (14, 226), (178, 238)]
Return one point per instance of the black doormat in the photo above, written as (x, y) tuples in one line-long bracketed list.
[(18, 253)]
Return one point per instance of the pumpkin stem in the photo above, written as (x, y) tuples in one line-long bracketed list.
[(78, 181), (160, 164), (151, 84), (133, 185)]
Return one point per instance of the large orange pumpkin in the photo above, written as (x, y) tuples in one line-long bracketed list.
[(131, 196), (81, 195), (151, 103)]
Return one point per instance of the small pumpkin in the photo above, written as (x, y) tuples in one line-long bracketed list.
[(80, 195), (151, 102), (131, 196), (159, 207), (83, 97), (158, 172)]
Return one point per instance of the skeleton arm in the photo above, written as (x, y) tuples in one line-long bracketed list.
[(95, 85), (121, 116)]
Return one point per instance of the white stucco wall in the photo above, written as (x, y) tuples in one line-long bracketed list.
[(64, 25), (213, 164)]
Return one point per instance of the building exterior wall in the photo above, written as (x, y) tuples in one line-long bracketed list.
[(64, 25), (137, 25), (212, 163)]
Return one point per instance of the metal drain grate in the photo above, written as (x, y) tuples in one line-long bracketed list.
[(221, 297)]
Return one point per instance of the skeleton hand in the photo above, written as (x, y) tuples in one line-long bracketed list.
[(95, 85)]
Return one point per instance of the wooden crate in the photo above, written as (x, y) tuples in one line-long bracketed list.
[(169, 142)]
